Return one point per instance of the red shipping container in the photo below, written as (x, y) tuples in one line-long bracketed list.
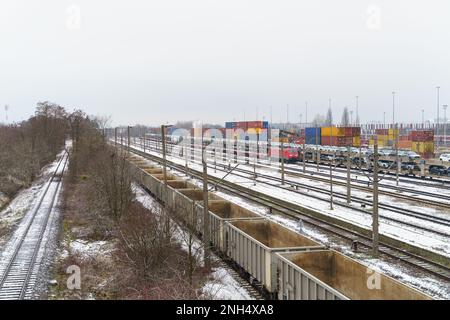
[(326, 140), (241, 125), (356, 131), (422, 135), (382, 132), (427, 155), (405, 137), (337, 141)]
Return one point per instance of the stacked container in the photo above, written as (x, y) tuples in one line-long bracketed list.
[(341, 136), (423, 143), (313, 135)]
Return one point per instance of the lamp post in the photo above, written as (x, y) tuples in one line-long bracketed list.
[(437, 116), (357, 111), (306, 112), (331, 162), (393, 108), (163, 142), (423, 121), (394, 127), (445, 124)]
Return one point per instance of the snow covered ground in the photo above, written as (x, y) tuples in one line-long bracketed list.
[(13, 213), (18, 215)]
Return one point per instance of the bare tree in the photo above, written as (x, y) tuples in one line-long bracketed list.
[(345, 121), (329, 117)]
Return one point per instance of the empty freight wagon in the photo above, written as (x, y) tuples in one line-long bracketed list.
[(252, 244), (222, 211), (330, 275)]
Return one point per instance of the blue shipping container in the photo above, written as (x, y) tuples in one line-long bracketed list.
[(265, 124), (312, 140), (313, 131), (230, 125)]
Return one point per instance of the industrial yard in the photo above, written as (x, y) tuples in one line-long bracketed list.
[(401, 221), (225, 159)]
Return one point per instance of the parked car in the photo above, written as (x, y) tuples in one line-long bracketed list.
[(412, 155), (358, 160), (410, 167), (384, 152), (438, 170), (386, 164), (341, 160), (326, 157), (445, 157)]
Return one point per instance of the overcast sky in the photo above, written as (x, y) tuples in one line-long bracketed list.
[(160, 61)]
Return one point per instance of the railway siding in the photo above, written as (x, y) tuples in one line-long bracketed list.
[(276, 205)]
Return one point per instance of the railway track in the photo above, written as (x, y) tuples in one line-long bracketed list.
[(427, 181), (18, 272), (297, 187), (297, 212), (389, 190)]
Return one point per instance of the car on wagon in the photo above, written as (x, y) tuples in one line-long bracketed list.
[(445, 157), (438, 170)]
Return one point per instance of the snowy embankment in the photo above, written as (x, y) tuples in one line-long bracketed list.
[(221, 285), (13, 213)]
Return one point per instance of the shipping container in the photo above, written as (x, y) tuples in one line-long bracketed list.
[(356, 131), (280, 139), (330, 275), (337, 141), (422, 136), (313, 132), (357, 141), (313, 140), (230, 125), (405, 137), (381, 143), (405, 144), (393, 132), (253, 244), (333, 131), (427, 155), (423, 147), (383, 132)]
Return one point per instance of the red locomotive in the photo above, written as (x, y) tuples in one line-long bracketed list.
[(289, 154)]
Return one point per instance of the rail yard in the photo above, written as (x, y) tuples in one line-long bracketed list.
[(260, 205), (225, 159)]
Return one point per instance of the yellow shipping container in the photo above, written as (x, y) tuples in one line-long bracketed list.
[(381, 143), (333, 131), (423, 147), (356, 141), (282, 139), (393, 132)]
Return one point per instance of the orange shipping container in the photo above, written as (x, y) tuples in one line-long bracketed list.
[(405, 144), (333, 131)]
